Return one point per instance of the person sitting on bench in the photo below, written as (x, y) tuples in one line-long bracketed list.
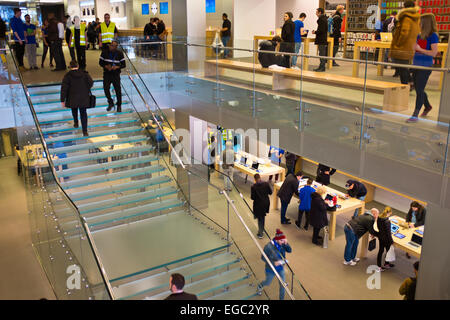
[(268, 59)]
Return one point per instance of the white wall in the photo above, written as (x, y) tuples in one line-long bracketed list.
[(296, 7)]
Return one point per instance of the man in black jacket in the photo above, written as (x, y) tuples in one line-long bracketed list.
[(354, 230), (287, 190), (321, 38), (268, 59), (260, 192), (324, 173), (288, 37), (337, 36), (176, 283), (112, 61), (357, 190)]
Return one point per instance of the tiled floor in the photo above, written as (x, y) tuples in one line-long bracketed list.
[(21, 274)]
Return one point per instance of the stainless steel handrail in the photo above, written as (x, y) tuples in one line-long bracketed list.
[(52, 167), (294, 54), (226, 196)]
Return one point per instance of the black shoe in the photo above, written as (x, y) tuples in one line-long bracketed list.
[(75, 125), (319, 70), (286, 222), (396, 75), (110, 107), (306, 228), (119, 109), (260, 236), (335, 64), (85, 134), (297, 224)]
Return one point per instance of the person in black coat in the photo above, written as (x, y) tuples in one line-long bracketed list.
[(287, 35), (384, 236), (75, 94), (416, 215), (321, 38), (287, 190), (318, 214), (337, 36), (324, 173), (260, 192), (267, 59), (357, 190)]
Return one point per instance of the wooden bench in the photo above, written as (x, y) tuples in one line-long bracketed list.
[(395, 95)]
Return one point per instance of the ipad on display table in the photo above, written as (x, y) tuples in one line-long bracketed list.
[(399, 235)]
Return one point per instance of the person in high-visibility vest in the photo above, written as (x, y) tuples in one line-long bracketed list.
[(108, 32), (77, 40)]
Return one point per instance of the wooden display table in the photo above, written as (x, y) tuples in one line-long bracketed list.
[(35, 161), (383, 45), (395, 95), (350, 204)]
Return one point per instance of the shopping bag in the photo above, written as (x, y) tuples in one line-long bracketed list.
[(325, 237), (372, 244), (390, 255), (217, 43)]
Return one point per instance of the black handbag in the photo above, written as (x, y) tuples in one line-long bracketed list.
[(372, 244), (92, 100)]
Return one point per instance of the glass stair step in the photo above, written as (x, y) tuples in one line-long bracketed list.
[(95, 145), (116, 216), (101, 103), (244, 292), (118, 188), (75, 137), (101, 155), (124, 200), (56, 87), (94, 89), (209, 285), (55, 118), (40, 102), (133, 249), (69, 127), (161, 280), (111, 177), (105, 166)]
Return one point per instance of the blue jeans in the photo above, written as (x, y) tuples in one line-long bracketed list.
[(269, 277), (298, 47), (225, 43), (284, 206), (351, 247), (420, 82), (355, 214)]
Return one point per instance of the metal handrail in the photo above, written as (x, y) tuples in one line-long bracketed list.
[(52, 167), (227, 198), (297, 55)]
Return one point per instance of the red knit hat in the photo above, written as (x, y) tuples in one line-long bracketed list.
[(279, 235)]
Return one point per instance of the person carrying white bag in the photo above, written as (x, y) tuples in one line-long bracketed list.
[(382, 227)]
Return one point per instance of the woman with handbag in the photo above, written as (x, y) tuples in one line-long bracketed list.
[(76, 94), (382, 227), (318, 214)]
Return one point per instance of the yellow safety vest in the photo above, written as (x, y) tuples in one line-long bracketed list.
[(107, 32), (82, 35)]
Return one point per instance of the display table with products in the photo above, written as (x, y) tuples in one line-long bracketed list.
[(344, 204), (395, 95), (383, 45), (306, 44), (32, 157), (401, 242)]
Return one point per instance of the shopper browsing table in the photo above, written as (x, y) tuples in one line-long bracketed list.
[(225, 33), (318, 214), (354, 230), (287, 190), (324, 173), (321, 38), (112, 61), (276, 250), (298, 33), (382, 228), (357, 190), (305, 204), (260, 192)]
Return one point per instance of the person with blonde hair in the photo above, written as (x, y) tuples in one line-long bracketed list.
[(382, 227), (426, 48), (318, 214)]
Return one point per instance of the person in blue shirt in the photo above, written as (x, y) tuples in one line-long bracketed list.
[(298, 33), (30, 47), (275, 250), (426, 49), (305, 204), (18, 29)]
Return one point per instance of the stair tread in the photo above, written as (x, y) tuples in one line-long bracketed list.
[(123, 214), (243, 292), (160, 280), (124, 200), (92, 124), (101, 155), (92, 193), (73, 137), (93, 145), (130, 249), (210, 284), (55, 118), (111, 176), (39, 102), (101, 103)]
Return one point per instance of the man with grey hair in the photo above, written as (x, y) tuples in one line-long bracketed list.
[(228, 165), (354, 230)]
